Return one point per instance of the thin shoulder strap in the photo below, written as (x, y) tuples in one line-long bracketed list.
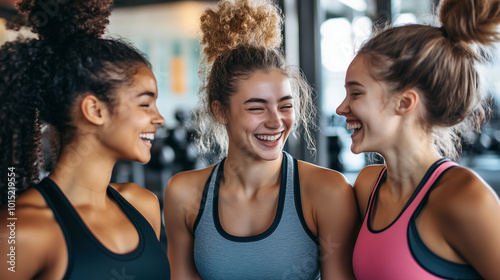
[(61, 207), (207, 195), (375, 187), (443, 166)]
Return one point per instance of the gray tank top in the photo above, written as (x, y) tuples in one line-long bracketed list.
[(286, 250)]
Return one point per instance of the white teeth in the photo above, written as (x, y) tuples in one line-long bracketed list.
[(147, 136), (353, 126), (270, 138)]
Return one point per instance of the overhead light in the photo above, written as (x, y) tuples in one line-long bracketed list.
[(358, 5)]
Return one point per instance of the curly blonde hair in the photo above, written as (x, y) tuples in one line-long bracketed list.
[(244, 22), (241, 37)]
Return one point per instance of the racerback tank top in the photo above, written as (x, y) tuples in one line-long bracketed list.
[(397, 252), (286, 250), (89, 259)]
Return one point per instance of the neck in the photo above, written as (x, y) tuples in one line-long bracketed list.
[(408, 162), (251, 174), (83, 175)]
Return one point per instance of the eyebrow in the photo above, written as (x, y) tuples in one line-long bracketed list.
[(260, 100), (148, 93), (352, 83)]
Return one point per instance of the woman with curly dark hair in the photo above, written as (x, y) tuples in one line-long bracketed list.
[(259, 213), (98, 97)]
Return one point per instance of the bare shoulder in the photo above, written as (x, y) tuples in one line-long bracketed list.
[(143, 200), (462, 193), (316, 178), (183, 196), (34, 233), (321, 186), (31, 212), (330, 212), (365, 182), (467, 211), (368, 176), (184, 185), (136, 195)]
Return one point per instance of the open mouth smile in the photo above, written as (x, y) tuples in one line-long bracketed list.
[(269, 138), (354, 126), (148, 137)]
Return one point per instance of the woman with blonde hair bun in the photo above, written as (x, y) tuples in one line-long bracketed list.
[(259, 213), (412, 91)]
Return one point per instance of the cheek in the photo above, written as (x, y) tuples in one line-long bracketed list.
[(290, 119), (362, 108), (252, 122)]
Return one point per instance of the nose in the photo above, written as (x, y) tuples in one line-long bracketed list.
[(158, 119), (343, 108), (273, 119)]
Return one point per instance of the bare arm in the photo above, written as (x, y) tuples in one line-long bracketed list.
[(32, 246), (182, 204), (337, 221), (472, 228)]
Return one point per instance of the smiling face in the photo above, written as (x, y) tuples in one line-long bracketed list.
[(260, 116), (368, 109), (133, 122)]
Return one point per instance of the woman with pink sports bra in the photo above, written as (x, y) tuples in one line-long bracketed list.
[(411, 91)]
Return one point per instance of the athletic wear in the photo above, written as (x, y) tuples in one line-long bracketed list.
[(397, 252), (89, 259), (286, 250)]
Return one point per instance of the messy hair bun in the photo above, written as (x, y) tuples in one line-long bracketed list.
[(442, 64), (471, 21), (240, 22), (58, 20)]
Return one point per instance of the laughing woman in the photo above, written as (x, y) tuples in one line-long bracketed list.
[(259, 213), (411, 92), (99, 98)]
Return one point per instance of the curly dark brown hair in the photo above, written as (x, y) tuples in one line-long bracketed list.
[(41, 78), (59, 20)]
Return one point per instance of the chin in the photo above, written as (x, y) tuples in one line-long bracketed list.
[(142, 159), (271, 155), (356, 150)]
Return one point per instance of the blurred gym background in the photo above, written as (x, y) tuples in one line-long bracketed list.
[(321, 36)]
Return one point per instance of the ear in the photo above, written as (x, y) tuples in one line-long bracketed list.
[(93, 109), (219, 113), (407, 101)]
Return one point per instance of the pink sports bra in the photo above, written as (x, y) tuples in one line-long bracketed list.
[(397, 252)]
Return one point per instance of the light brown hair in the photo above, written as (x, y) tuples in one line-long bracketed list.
[(441, 63)]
